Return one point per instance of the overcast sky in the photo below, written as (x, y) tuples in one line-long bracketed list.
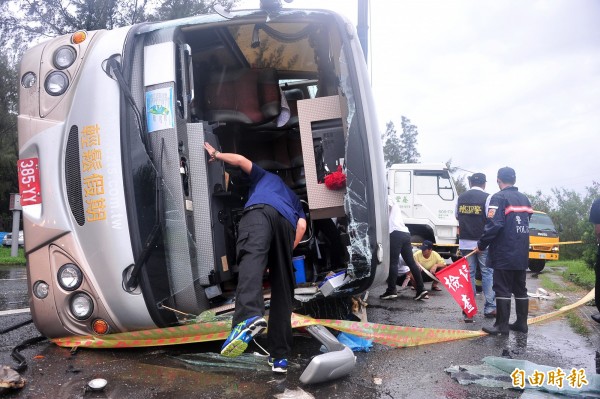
[(490, 83)]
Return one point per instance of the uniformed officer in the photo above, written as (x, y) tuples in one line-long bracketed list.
[(471, 215), (507, 235)]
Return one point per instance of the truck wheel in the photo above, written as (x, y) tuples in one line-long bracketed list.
[(537, 265), (417, 239)]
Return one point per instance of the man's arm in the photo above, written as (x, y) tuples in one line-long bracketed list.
[(300, 229), (232, 159), (494, 224)]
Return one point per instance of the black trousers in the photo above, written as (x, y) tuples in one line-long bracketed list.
[(266, 238), (597, 270), (507, 282), (400, 245)]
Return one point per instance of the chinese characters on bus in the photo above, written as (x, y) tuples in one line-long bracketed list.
[(93, 180)]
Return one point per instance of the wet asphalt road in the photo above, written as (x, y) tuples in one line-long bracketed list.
[(384, 372)]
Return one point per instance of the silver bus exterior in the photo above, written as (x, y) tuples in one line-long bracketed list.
[(130, 228)]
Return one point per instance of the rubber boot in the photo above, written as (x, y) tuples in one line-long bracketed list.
[(522, 309), (502, 316)]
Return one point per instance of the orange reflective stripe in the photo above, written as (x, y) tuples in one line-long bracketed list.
[(510, 209)]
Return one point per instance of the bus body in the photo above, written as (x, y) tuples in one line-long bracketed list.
[(543, 241), (127, 225), (427, 197)]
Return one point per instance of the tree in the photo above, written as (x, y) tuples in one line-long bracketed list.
[(174, 9), (50, 18), (408, 142), (569, 211), (8, 135), (459, 181), (391, 148)]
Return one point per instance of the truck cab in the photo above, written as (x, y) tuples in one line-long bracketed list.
[(543, 241), (427, 197)]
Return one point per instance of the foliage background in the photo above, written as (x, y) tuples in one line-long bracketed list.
[(26, 22)]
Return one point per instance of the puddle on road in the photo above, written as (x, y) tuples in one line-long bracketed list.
[(13, 288)]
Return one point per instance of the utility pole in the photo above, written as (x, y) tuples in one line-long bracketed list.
[(362, 27)]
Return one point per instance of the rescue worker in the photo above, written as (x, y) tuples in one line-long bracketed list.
[(271, 227), (507, 235), (471, 215)]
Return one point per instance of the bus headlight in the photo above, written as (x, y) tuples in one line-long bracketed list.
[(69, 277), (56, 83), (64, 57), (81, 306), (41, 289), (28, 80)]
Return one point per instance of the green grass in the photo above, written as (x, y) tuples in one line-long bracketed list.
[(6, 259), (550, 285), (577, 272)]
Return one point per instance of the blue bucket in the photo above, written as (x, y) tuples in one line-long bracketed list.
[(298, 262)]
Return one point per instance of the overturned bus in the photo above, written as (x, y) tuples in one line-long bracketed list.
[(128, 226)]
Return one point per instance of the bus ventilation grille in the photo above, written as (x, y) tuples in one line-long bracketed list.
[(73, 175)]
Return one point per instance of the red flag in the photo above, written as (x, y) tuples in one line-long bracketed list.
[(457, 280)]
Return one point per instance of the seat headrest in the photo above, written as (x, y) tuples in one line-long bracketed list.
[(293, 94)]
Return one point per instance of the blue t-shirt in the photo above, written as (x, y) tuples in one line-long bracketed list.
[(268, 188)]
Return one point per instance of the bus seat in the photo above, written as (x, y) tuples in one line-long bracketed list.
[(247, 96), (292, 96)]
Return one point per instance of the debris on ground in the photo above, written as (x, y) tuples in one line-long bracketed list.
[(298, 393), (501, 372), (10, 379), (247, 361)]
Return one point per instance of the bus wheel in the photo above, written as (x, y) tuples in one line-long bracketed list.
[(537, 265)]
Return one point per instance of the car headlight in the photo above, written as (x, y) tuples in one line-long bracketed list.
[(69, 277), (28, 80), (64, 57), (81, 306), (56, 83), (41, 289)]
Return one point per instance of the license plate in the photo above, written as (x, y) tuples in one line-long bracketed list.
[(542, 256), (29, 181)]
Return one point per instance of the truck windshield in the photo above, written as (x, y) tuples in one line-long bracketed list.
[(434, 183), (542, 222)]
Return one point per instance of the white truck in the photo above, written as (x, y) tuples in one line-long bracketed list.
[(427, 197)]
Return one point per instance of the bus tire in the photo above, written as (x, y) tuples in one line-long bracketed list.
[(537, 265)]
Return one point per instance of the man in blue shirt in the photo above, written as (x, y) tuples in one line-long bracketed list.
[(271, 226)]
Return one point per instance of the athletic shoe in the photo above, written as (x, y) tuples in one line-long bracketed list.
[(388, 295), (241, 335), (278, 365), (422, 295)]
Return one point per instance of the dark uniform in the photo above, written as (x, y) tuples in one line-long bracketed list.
[(595, 219), (266, 237), (471, 215), (507, 235)]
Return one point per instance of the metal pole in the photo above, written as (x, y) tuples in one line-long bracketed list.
[(362, 27), (14, 248)]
